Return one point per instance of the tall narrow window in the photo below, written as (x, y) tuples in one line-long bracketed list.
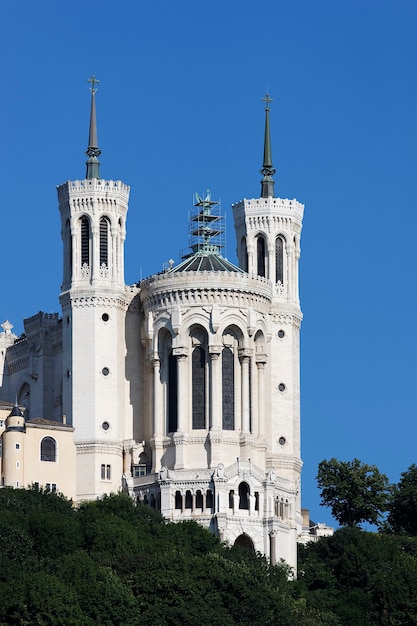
[(68, 251), (244, 260), (243, 496), (104, 241), (279, 260), (85, 242), (199, 387), (172, 394), (260, 255), (228, 390), (48, 449)]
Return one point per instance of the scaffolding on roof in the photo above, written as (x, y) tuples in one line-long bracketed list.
[(206, 231)]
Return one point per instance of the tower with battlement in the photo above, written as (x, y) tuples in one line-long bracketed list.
[(94, 303)]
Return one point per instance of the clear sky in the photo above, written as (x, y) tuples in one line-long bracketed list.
[(179, 110)]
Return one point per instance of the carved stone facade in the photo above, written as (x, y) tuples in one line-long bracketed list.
[(182, 390)]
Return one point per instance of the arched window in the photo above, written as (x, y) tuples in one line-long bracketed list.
[(188, 500), (178, 500), (85, 242), (198, 499), (231, 499), (279, 260), (209, 499), (244, 496), (260, 255), (172, 394), (104, 241), (244, 541), (228, 390), (48, 449), (199, 387)]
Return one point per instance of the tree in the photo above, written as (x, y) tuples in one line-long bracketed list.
[(354, 491), (402, 517)]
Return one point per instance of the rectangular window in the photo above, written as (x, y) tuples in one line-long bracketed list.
[(17, 464), (18, 446), (105, 472), (51, 487), (138, 470)]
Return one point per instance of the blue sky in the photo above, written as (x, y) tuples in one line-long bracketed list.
[(179, 111)]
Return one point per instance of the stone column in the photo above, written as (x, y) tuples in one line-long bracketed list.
[(296, 287), (215, 388), (244, 356), (95, 253), (290, 286), (251, 269), (271, 263), (272, 547), (157, 420), (113, 260), (157, 413), (182, 389), (260, 426)]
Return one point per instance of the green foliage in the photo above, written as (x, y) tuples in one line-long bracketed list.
[(402, 516), (113, 563), (354, 491), (365, 579)]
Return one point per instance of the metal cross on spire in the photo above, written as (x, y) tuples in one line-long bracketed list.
[(268, 170), (267, 99), (93, 151), (94, 81)]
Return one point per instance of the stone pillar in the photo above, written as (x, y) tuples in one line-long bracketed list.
[(260, 426), (157, 421), (95, 253), (157, 412), (270, 273), (251, 269), (215, 388), (113, 260), (244, 356), (296, 287), (290, 287), (182, 390), (272, 547)]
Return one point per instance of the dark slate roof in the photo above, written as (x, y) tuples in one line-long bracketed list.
[(206, 263)]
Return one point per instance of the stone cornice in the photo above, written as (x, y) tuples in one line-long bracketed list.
[(97, 447), (81, 298), (190, 289)]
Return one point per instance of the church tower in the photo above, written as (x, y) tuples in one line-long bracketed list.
[(268, 231), (94, 302)]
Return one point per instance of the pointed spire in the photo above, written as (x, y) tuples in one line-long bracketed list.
[(93, 152), (267, 182)]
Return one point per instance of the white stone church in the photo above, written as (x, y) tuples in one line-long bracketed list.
[(182, 390)]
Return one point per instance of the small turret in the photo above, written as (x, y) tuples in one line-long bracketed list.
[(15, 421)]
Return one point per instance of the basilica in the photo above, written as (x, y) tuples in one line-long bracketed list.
[(182, 390)]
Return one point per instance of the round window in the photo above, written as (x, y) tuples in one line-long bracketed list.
[(105, 371), (105, 426), (281, 334), (105, 317), (281, 387), (282, 441)]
